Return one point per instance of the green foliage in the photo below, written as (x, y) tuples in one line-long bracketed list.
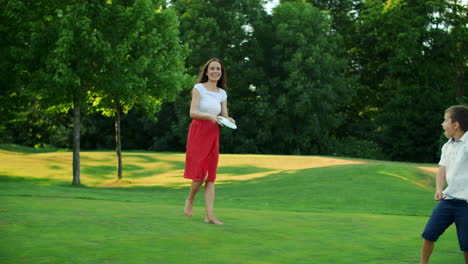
[(354, 147), (61, 49), (23, 149), (105, 56), (281, 64), (36, 127), (406, 77), (307, 82), (15, 22), (143, 64), (305, 79)]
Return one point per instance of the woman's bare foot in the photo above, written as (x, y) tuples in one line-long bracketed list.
[(213, 220), (188, 210)]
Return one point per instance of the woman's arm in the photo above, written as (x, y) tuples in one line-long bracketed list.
[(194, 113), (224, 111)]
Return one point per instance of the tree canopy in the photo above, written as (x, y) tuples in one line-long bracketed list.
[(357, 78)]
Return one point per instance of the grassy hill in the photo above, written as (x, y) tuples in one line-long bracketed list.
[(276, 209)]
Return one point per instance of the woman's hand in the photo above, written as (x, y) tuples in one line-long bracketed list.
[(215, 120), (232, 120)]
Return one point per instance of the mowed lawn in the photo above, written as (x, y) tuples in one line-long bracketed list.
[(276, 209)]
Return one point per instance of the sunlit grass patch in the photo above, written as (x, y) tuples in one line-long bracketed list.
[(98, 168)]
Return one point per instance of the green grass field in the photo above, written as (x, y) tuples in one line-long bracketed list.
[(276, 209)]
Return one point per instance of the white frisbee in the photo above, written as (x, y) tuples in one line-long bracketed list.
[(226, 122)]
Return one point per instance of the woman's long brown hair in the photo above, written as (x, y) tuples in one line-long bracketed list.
[(202, 78)]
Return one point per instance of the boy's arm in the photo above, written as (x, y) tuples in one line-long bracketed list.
[(440, 183)]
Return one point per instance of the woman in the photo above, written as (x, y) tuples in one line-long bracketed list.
[(209, 99)]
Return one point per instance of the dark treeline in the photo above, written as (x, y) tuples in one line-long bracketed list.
[(366, 79)]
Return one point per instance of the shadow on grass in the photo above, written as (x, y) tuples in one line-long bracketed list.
[(133, 171), (99, 172), (129, 170), (55, 167), (92, 159), (110, 157), (36, 181), (347, 188), (145, 158), (29, 150)]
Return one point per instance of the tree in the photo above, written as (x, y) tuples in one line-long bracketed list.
[(307, 81), (43, 67), (11, 45), (453, 15), (406, 73), (80, 60), (144, 62), (18, 104)]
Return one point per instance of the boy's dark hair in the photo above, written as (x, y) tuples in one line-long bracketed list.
[(459, 113)]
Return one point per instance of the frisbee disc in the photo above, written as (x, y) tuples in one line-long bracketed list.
[(227, 123)]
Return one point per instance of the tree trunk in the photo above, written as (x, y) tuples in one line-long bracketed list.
[(118, 146), (76, 142), (459, 78)]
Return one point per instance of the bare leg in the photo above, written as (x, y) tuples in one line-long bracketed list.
[(466, 257), (209, 201), (188, 210), (426, 251)]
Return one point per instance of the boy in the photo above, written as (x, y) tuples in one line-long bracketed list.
[(453, 169)]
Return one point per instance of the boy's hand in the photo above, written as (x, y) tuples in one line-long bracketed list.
[(438, 196)]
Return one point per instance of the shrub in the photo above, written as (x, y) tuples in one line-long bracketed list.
[(355, 147)]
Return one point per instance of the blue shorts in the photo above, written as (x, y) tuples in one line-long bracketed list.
[(446, 213)]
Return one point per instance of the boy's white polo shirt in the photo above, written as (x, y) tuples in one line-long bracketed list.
[(455, 160)]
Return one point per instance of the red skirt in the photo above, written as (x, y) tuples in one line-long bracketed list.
[(202, 150)]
